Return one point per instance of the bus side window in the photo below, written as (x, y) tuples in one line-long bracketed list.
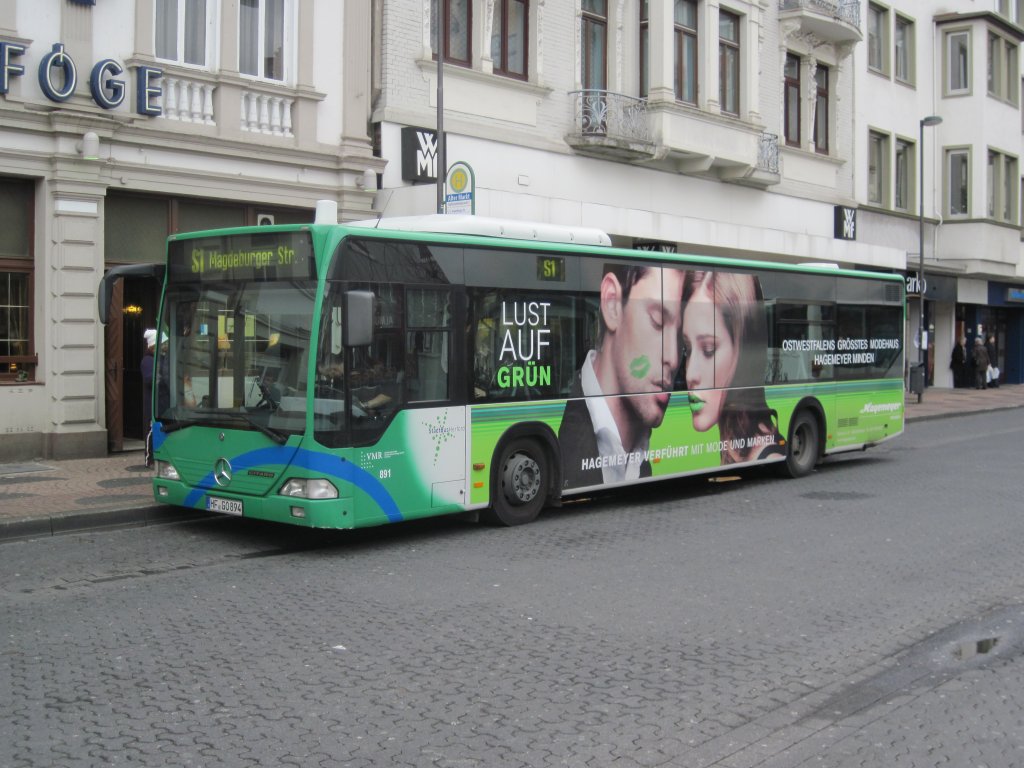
[(427, 352)]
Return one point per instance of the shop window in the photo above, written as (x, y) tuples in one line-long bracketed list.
[(17, 349), (16, 359)]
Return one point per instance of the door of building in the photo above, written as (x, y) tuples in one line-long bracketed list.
[(133, 309), (113, 367)]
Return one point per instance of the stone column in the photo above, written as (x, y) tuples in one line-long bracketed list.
[(73, 338), (709, 60), (661, 51)]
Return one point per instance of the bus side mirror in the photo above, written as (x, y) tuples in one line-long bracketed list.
[(358, 328), (106, 289)]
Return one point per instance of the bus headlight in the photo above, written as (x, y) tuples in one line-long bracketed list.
[(166, 471), (309, 488)]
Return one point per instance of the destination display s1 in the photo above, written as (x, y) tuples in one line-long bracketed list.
[(257, 256)]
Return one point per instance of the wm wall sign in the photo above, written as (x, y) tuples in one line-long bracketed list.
[(845, 223), (419, 154)]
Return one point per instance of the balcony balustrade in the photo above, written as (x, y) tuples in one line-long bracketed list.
[(610, 125), (187, 100), (267, 113), (202, 99), (768, 153), (833, 21)]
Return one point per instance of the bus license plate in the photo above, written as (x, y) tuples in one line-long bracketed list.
[(225, 506)]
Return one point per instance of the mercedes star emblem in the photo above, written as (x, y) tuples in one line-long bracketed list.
[(222, 472)]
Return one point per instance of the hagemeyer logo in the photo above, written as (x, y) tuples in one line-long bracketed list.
[(881, 407)]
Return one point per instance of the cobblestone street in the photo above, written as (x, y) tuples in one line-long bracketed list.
[(870, 614)]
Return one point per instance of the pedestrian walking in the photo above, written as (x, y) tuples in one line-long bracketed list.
[(958, 363), (993, 361), (981, 363), (146, 367)]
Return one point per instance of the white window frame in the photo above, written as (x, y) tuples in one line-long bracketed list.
[(909, 175), (737, 46), (882, 67), (212, 14), (289, 24), (791, 86), (826, 113), (948, 88), (909, 53), (1002, 186), (501, 34), (682, 76), (947, 201), (882, 184), (1003, 69), (1011, 10)]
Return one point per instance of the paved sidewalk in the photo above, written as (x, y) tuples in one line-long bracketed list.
[(45, 497)]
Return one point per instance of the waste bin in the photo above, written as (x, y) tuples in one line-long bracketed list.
[(917, 379)]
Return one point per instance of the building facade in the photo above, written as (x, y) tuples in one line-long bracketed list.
[(660, 121), (789, 130), (940, 94), (122, 121), (786, 130)]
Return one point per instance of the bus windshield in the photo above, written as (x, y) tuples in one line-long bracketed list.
[(235, 341)]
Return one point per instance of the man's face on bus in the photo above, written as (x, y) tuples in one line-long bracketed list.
[(642, 344)]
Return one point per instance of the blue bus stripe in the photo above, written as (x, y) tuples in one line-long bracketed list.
[(314, 461)]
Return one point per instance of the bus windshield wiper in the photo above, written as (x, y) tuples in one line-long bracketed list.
[(278, 437), (174, 426)]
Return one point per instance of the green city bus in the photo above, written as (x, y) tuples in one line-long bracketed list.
[(349, 375)]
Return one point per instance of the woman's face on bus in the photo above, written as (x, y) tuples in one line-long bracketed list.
[(711, 357)]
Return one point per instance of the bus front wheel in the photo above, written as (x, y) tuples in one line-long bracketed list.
[(521, 488), (804, 445)]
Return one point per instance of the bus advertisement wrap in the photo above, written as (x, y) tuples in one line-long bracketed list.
[(675, 379)]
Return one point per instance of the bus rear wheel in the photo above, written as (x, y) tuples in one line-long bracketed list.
[(804, 445), (521, 487)]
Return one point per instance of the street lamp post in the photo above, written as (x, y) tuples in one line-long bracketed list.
[(921, 335), (441, 162)]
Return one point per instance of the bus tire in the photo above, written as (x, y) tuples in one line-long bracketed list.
[(804, 445), (520, 490)]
